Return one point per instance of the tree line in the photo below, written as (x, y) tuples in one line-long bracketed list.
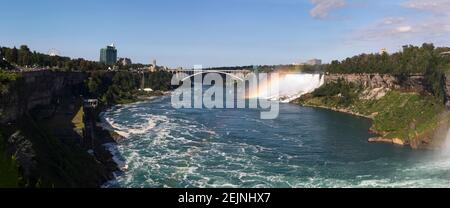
[(122, 86), (426, 60), (411, 60), (24, 57)]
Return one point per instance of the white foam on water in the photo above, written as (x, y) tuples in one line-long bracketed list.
[(110, 125), (165, 151), (117, 158), (150, 122)]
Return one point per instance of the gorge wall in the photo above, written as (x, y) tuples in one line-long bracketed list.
[(413, 83), (410, 83), (447, 88), (42, 124), (37, 88)]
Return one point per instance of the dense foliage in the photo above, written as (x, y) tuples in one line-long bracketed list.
[(412, 59), (9, 173), (24, 57), (4, 64), (121, 87), (345, 93), (403, 115), (159, 80), (5, 79)]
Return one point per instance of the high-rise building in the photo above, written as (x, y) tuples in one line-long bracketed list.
[(108, 55)]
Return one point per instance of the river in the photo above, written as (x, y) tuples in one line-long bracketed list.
[(303, 147)]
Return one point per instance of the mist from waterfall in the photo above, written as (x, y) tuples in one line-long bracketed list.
[(289, 86)]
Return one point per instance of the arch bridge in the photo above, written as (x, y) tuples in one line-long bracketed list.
[(194, 72)]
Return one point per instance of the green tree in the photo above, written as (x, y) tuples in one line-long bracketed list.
[(12, 55), (24, 56)]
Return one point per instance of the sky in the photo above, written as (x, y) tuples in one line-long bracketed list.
[(182, 33)]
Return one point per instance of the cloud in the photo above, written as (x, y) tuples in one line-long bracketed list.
[(322, 8), (403, 29), (441, 7), (393, 20), (435, 24), (400, 28), (388, 27)]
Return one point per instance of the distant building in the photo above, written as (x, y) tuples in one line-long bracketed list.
[(314, 62), (108, 55), (125, 61), (446, 53), (153, 67)]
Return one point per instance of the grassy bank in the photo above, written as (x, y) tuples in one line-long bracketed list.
[(409, 117)]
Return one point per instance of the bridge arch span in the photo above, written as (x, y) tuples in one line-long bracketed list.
[(213, 71)]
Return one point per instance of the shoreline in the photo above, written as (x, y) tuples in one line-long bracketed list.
[(429, 140), (377, 139), (337, 110)]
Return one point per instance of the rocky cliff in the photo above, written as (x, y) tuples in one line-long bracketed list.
[(411, 83), (36, 88), (41, 125)]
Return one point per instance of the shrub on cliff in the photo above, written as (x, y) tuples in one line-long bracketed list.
[(341, 92), (98, 83), (435, 84), (9, 173), (402, 115), (5, 79)]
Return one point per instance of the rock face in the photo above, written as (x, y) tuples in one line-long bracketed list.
[(34, 89), (24, 152), (37, 110), (410, 83), (447, 88), (395, 141)]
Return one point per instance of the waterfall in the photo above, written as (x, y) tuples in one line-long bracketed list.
[(290, 86), (445, 150)]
